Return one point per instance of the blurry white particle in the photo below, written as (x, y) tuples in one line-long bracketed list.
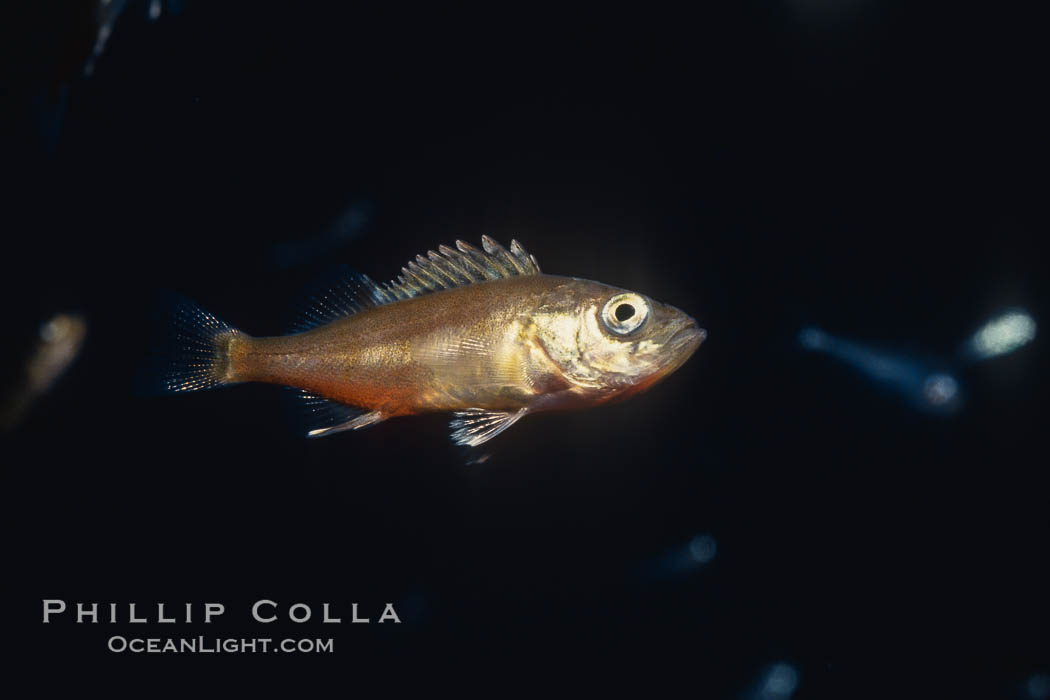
[(780, 682), (940, 389), (154, 9), (1038, 686), (1004, 334), (898, 372), (703, 548), (811, 338), (882, 367)]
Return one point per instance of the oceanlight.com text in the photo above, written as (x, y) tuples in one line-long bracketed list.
[(219, 645)]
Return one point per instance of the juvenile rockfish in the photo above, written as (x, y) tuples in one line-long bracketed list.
[(479, 333)]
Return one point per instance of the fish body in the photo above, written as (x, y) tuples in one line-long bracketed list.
[(483, 334)]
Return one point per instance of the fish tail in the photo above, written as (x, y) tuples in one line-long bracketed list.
[(198, 351)]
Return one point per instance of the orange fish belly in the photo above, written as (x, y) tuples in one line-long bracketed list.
[(466, 347)]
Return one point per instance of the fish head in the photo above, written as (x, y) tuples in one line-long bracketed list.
[(612, 343)]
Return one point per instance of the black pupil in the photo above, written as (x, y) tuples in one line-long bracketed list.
[(624, 312)]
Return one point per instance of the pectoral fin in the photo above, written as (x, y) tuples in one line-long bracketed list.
[(476, 425)]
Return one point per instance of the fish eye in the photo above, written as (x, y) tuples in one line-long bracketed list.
[(625, 313)]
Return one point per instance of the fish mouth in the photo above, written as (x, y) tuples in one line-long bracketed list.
[(681, 346), (688, 335)]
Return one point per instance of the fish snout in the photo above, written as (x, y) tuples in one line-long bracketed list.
[(688, 335)]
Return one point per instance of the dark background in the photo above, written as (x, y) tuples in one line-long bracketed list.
[(877, 170)]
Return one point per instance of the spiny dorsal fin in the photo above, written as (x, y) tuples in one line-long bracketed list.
[(442, 269), (448, 267)]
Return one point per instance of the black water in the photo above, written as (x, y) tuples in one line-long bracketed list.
[(871, 170)]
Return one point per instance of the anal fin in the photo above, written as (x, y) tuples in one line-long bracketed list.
[(318, 416), (362, 421), (476, 426)]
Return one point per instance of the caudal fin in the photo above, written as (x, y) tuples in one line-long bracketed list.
[(195, 354)]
